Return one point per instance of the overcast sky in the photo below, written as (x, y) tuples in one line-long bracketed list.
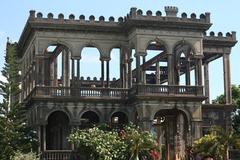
[(224, 16)]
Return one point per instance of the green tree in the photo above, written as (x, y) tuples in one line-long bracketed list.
[(14, 134), (236, 101), (217, 143)]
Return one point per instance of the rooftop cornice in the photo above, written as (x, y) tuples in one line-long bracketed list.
[(228, 41)]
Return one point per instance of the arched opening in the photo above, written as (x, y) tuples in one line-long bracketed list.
[(170, 129), (89, 119), (119, 119), (184, 64), (90, 65), (57, 131), (55, 70), (154, 64)]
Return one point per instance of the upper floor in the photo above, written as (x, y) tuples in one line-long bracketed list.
[(158, 56)]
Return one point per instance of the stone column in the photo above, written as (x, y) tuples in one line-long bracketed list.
[(55, 63), (170, 69), (227, 79), (42, 69), (138, 71), (200, 72), (196, 73), (108, 74), (78, 71), (158, 73), (170, 66), (206, 82), (44, 138), (65, 68), (73, 69), (39, 138), (130, 73), (102, 72), (188, 76), (143, 71)]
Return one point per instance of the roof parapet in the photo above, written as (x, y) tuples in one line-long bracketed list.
[(230, 36), (171, 12)]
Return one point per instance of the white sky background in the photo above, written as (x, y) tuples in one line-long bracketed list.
[(224, 16)]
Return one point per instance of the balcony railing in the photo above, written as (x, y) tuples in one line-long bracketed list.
[(115, 93), (167, 90), (56, 155), (82, 92)]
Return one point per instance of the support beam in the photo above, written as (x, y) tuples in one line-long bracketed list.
[(108, 74), (102, 73), (158, 78), (143, 72), (188, 76), (227, 79), (206, 82), (138, 75), (170, 70), (130, 60)]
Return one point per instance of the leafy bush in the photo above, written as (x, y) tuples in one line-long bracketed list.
[(104, 143), (28, 156)]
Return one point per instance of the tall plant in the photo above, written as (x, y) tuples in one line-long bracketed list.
[(14, 134)]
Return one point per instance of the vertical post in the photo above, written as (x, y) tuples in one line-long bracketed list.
[(138, 75), (200, 72), (227, 78), (130, 73), (196, 72), (102, 72), (78, 69), (188, 76), (44, 138), (55, 63), (42, 70), (158, 76), (39, 139), (73, 69), (63, 68), (143, 71), (170, 69), (108, 76), (206, 82)]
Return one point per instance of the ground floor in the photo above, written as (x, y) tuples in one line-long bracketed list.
[(174, 124)]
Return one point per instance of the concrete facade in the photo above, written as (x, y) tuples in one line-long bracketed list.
[(137, 96)]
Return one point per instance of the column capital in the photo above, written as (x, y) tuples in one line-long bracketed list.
[(105, 58), (140, 54), (77, 58)]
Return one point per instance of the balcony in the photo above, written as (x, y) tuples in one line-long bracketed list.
[(46, 92), (167, 91)]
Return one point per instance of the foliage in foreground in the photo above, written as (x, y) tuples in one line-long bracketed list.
[(216, 144), (27, 156), (107, 144), (236, 101), (14, 133)]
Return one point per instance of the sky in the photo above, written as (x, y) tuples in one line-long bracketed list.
[(224, 16)]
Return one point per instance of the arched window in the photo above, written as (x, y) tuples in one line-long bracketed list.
[(57, 131)]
